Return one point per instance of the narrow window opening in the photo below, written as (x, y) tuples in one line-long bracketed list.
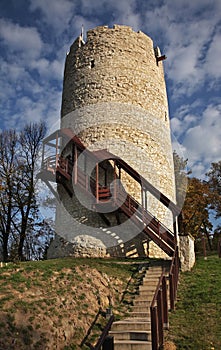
[(92, 63)]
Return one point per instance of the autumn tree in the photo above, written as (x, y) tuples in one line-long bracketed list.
[(214, 181), (30, 139), (19, 220), (196, 209), (181, 178), (8, 168), (181, 181), (194, 196)]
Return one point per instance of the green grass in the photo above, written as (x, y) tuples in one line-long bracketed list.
[(196, 322), (41, 300)]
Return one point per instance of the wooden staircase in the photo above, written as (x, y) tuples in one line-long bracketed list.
[(143, 328), (67, 172), (134, 332), (148, 224)]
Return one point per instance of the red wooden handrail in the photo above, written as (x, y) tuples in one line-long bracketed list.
[(97, 156), (159, 305), (173, 278), (159, 313), (104, 333), (161, 235)]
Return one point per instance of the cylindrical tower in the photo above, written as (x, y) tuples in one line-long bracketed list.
[(114, 98)]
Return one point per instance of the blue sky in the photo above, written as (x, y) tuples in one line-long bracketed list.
[(36, 34)]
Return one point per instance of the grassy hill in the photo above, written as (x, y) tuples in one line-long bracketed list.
[(196, 322), (51, 304)]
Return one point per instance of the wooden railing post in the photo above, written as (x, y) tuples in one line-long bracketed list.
[(97, 182), (175, 227), (104, 336), (165, 304), (159, 312), (75, 164), (173, 278), (145, 192), (115, 182), (171, 281), (108, 343), (120, 173), (160, 317), (143, 203), (154, 327)]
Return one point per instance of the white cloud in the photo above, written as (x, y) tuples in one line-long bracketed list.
[(130, 19), (48, 69), (46, 107), (57, 13), (18, 39), (185, 29), (203, 141), (212, 63), (176, 126), (97, 7)]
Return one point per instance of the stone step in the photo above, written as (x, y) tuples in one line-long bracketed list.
[(140, 308), (131, 335), (143, 302), (149, 287), (146, 291), (154, 270), (151, 278), (148, 284), (145, 295), (139, 314), (153, 274), (132, 345), (131, 325)]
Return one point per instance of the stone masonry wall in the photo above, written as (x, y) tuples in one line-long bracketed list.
[(114, 65), (114, 98)]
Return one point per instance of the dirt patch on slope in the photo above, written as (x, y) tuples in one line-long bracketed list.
[(54, 308)]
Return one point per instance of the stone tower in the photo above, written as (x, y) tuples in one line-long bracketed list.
[(114, 98)]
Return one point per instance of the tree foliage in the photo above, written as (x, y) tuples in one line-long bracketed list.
[(194, 196), (20, 222), (196, 219), (214, 180), (8, 168), (181, 178)]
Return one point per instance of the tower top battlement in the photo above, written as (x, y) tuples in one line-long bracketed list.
[(105, 30), (114, 65)]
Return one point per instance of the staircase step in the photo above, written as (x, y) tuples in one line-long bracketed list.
[(146, 295), (131, 325), (140, 308), (131, 335), (132, 345), (143, 302), (134, 332), (153, 272), (150, 288), (139, 314), (151, 278)]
